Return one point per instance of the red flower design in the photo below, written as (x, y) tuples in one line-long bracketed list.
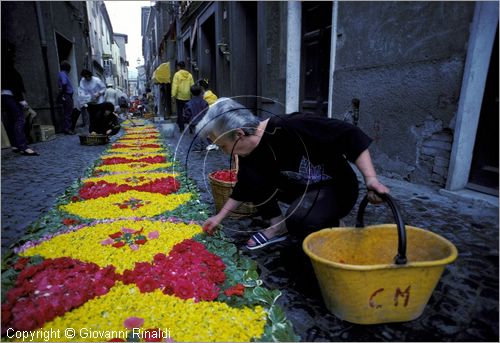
[(21, 263), (118, 244), (237, 289), (116, 235), (70, 221), (122, 160), (50, 289), (189, 271)]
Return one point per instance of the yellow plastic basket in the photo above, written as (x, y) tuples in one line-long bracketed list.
[(360, 279)]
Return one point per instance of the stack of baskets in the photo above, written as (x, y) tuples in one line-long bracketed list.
[(221, 190), (94, 139)]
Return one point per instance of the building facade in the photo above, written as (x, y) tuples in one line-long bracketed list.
[(120, 62), (413, 75), (48, 33)]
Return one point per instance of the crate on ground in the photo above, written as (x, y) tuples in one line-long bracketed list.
[(44, 132)]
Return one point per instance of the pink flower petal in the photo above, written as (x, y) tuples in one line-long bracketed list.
[(153, 235), (133, 322), (126, 230), (134, 246), (107, 241)]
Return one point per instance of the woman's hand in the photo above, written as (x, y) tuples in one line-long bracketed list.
[(373, 184), (210, 225)]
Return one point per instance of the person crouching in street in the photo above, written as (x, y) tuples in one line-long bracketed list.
[(104, 121), (298, 159)]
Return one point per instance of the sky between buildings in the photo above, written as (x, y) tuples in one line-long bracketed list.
[(126, 18)]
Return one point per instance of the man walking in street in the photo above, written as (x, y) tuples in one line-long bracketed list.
[(65, 96), (181, 91)]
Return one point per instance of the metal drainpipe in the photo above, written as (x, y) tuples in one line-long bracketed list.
[(333, 51), (43, 43)]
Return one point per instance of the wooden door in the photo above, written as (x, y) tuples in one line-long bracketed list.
[(315, 56), (484, 168)]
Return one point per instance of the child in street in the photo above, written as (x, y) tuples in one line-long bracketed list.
[(194, 110), (208, 95)]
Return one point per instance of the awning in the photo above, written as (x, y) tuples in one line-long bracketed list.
[(162, 73)]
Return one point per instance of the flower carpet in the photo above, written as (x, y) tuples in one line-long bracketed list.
[(123, 257)]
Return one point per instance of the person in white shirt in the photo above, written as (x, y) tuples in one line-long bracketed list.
[(91, 92), (111, 95)]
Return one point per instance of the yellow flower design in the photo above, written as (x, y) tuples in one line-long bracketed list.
[(182, 320), (88, 244), (137, 155), (132, 167), (132, 179), (135, 122), (126, 205)]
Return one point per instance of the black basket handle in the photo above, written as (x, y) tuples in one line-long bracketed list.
[(401, 256)]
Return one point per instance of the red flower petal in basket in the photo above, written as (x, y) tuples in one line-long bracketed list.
[(225, 175), (133, 322), (118, 244)]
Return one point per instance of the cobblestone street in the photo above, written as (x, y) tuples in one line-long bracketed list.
[(463, 307)]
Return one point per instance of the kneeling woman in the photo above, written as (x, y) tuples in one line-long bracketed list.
[(298, 159), (104, 121)]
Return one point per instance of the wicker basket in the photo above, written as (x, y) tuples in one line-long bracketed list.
[(221, 190), (94, 139)]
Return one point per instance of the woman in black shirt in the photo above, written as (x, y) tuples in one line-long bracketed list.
[(297, 159)]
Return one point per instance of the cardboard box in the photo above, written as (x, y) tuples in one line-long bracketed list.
[(44, 132)]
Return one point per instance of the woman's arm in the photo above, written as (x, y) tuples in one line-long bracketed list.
[(210, 225), (365, 166)]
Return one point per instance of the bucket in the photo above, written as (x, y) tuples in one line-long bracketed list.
[(360, 279), (168, 129)]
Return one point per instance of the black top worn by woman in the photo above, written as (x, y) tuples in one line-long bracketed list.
[(299, 151)]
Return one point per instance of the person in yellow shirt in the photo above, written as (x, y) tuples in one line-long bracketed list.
[(181, 91), (208, 95)]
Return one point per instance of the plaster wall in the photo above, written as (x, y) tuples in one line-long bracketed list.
[(404, 61), (58, 17)]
